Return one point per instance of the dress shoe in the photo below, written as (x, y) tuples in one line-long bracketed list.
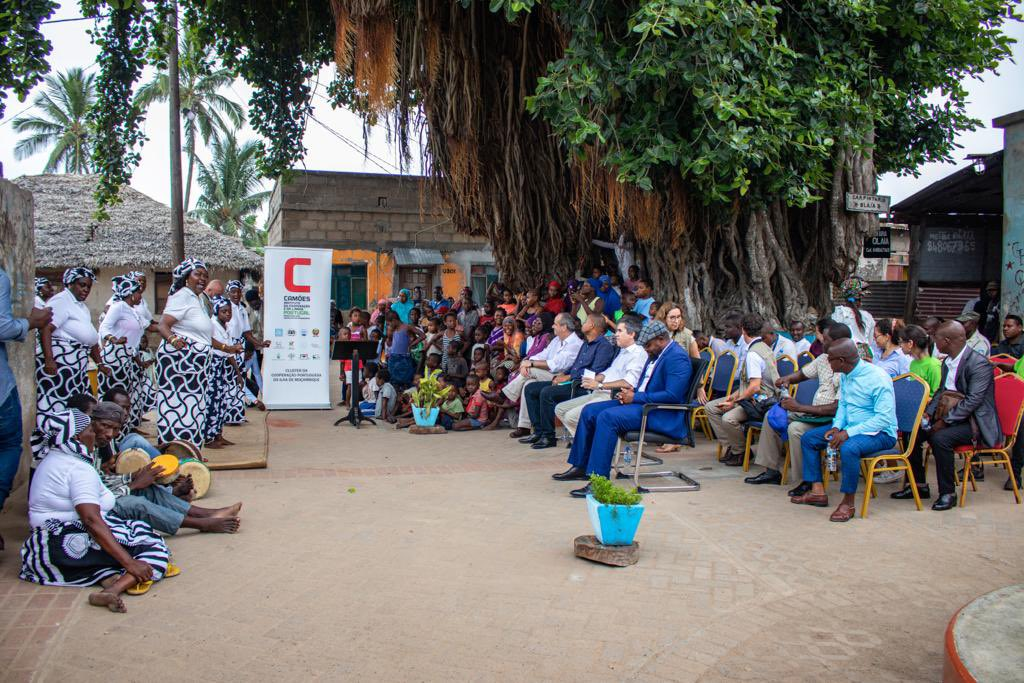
[(518, 433), (818, 500), (580, 493), (1008, 487), (734, 460), (532, 438), (977, 471), (799, 490), (544, 442), (946, 501), (905, 493), (571, 474), (766, 477)]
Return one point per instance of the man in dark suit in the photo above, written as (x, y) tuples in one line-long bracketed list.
[(970, 373), (664, 379)]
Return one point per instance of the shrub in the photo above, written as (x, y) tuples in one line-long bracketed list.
[(608, 493)]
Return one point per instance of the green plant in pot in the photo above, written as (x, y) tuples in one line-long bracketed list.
[(427, 397), (614, 512)]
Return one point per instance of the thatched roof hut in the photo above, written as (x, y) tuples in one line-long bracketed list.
[(137, 235)]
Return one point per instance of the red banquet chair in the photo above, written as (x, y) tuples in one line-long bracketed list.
[(1010, 406)]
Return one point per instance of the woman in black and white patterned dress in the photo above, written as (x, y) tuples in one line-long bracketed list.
[(120, 333), (224, 374), (183, 358), (62, 355), (144, 399)]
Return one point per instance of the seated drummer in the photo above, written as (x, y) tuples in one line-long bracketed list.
[(138, 496), (118, 394)]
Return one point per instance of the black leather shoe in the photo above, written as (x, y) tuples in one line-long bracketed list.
[(580, 493), (978, 471), (734, 460), (906, 494), (518, 433), (799, 490), (1007, 487), (532, 438), (766, 477), (544, 442), (946, 501), (571, 474)]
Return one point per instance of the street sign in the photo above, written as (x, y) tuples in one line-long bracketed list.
[(878, 245), (867, 203)]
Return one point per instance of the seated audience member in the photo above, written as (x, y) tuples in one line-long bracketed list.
[(626, 307), (623, 373), (387, 397), (864, 425), (891, 357), (799, 333), (665, 379), (779, 345), (916, 343), (122, 441), (612, 300), (555, 302), (802, 418), (702, 339), (1013, 337), (757, 373), (557, 357), (482, 370), (477, 409), (140, 497), (632, 280), (77, 539), (671, 314), (586, 302), (458, 368), (931, 324), (732, 333), (595, 355), (969, 373), (368, 388), (645, 298), (452, 410), (975, 339)]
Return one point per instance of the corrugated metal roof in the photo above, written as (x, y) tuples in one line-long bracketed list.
[(405, 256)]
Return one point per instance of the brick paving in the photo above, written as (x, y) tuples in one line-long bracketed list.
[(386, 556)]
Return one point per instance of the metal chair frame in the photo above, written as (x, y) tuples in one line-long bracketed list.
[(699, 413), (997, 456)]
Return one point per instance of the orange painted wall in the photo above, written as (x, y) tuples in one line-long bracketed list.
[(453, 278), (380, 270)]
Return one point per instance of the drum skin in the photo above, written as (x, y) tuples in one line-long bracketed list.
[(201, 476)]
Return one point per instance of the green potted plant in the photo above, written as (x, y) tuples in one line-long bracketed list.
[(614, 512), (427, 398)]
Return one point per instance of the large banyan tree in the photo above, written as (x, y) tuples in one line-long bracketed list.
[(719, 136)]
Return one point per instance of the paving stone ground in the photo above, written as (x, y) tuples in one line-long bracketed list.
[(379, 555)]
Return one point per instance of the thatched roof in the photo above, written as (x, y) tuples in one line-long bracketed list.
[(137, 235)]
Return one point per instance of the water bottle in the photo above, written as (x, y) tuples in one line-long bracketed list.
[(926, 422), (830, 458), (627, 455)]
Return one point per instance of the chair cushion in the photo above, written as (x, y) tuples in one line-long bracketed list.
[(967, 448), (888, 451), (651, 437)]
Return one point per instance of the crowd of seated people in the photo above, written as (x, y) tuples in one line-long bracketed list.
[(589, 356)]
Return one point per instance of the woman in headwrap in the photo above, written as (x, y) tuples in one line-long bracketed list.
[(76, 540), (403, 305), (120, 333), (860, 322), (144, 399), (223, 372), (183, 357), (62, 356), (382, 306), (612, 301), (44, 290), (240, 330)]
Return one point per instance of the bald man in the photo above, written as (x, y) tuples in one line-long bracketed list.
[(969, 373), (864, 425), (214, 288)]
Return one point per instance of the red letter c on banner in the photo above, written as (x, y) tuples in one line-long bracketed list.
[(289, 274)]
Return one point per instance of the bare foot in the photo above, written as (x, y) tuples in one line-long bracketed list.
[(218, 525), (214, 444), (667, 448), (259, 405), (225, 442), (109, 581), (109, 600), (229, 511)]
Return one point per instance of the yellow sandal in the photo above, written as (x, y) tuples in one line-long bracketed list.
[(140, 588), (172, 570)]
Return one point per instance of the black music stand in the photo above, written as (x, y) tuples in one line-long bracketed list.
[(352, 350)]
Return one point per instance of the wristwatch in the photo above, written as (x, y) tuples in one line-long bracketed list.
[(600, 386)]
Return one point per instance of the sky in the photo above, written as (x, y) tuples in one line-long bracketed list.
[(335, 141)]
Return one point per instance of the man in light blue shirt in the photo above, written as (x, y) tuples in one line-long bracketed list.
[(864, 425), (12, 329)]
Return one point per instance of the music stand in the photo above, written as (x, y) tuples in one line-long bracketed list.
[(353, 350)]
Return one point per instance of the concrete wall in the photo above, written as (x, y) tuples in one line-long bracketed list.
[(17, 256), (1012, 295)]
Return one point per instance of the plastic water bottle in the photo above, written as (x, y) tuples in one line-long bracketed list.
[(830, 458), (627, 455)]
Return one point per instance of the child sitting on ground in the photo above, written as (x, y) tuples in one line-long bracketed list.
[(477, 412), (479, 354), (368, 388), (387, 397), (403, 415), (483, 374)]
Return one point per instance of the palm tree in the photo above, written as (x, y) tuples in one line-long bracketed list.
[(230, 186), (208, 112), (61, 123)]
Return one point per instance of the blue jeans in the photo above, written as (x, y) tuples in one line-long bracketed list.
[(852, 450), (10, 443), (155, 505), (137, 441)]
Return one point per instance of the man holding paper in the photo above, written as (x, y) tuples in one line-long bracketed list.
[(621, 374)]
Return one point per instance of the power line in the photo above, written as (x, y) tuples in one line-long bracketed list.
[(389, 171), (63, 21), (362, 149), (16, 115)]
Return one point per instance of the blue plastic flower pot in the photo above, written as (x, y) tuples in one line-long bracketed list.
[(614, 524), (425, 418)]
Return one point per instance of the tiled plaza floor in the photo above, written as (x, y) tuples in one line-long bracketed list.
[(379, 555)]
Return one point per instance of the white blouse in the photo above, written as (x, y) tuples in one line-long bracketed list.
[(142, 310), (61, 482), (193, 323), (221, 335), (71, 318), (122, 320), (239, 323)]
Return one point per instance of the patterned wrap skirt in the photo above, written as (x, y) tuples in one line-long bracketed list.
[(64, 554), (121, 361), (143, 400), (53, 391), (235, 408), (182, 385), (222, 376)]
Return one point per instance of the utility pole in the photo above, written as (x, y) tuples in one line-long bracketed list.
[(174, 106)]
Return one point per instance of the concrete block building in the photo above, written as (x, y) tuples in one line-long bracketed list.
[(385, 232)]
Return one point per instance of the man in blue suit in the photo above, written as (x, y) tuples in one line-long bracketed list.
[(665, 379)]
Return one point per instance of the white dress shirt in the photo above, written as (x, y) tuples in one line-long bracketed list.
[(142, 310), (223, 336), (185, 307), (627, 366), (560, 354), (754, 362), (71, 318), (801, 346), (122, 320), (952, 364), (239, 323), (785, 347), (646, 378)]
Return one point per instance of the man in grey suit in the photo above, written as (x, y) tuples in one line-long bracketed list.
[(970, 373)]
